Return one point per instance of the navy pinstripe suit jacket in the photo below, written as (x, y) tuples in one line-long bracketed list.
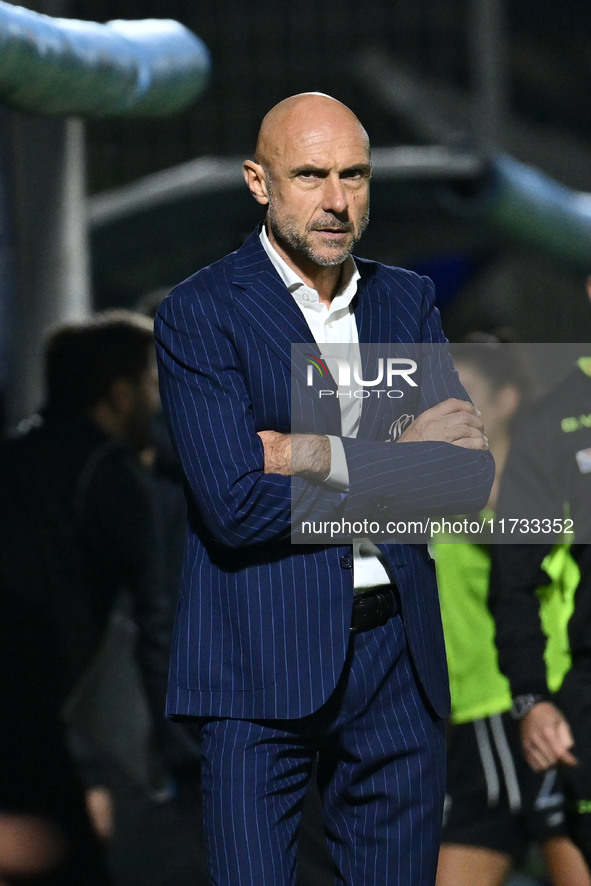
[(262, 624)]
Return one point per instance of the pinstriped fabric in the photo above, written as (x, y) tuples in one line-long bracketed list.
[(222, 382), (262, 629), (380, 770), (384, 804), (262, 625)]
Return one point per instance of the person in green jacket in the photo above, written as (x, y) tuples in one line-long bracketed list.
[(496, 806)]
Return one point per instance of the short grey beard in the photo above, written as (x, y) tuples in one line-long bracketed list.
[(295, 241)]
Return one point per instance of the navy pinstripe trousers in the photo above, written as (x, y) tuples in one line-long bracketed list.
[(380, 756)]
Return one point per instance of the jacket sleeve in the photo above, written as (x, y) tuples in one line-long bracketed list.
[(208, 406), (527, 491), (516, 574)]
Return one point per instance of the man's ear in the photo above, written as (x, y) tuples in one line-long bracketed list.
[(256, 180)]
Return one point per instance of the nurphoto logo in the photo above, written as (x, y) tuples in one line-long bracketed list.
[(348, 373)]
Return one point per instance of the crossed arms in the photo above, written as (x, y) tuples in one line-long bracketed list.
[(247, 481), (452, 421)]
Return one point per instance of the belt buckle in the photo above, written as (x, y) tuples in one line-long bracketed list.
[(384, 598)]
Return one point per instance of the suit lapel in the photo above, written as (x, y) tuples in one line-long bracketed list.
[(375, 308), (378, 316), (372, 314), (271, 311), (265, 302)]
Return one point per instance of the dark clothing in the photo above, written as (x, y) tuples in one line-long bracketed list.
[(76, 527), (493, 798), (574, 700), (548, 473), (38, 775), (544, 471)]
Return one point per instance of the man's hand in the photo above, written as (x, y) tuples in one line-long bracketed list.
[(452, 421), (302, 455), (546, 737)]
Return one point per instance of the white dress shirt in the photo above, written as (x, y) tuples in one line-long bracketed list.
[(336, 324)]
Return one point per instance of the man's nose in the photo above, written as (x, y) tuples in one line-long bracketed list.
[(334, 196)]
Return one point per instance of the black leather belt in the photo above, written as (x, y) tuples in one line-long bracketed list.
[(375, 607)]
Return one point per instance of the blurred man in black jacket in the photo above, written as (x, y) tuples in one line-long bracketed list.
[(76, 527), (547, 485)]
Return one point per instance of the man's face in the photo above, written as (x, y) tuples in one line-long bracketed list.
[(318, 191)]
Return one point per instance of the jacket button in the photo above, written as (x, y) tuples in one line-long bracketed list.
[(347, 562)]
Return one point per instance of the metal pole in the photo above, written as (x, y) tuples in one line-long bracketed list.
[(489, 70), (51, 243)]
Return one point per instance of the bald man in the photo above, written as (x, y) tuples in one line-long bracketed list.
[(295, 656)]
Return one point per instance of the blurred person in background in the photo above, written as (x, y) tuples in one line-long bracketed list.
[(496, 806), (77, 527), (548, 477), (167, 485)]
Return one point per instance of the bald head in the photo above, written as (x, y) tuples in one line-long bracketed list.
[(298, 118), (311, 170)]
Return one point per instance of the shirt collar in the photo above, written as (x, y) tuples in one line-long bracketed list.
[(349, 275)]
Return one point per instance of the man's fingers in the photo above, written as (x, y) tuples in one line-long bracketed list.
[(541, 755), (568, 759), (546, 738), (566, 741), (452, 421), (541, 759), (452, 404), (476, 441)]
